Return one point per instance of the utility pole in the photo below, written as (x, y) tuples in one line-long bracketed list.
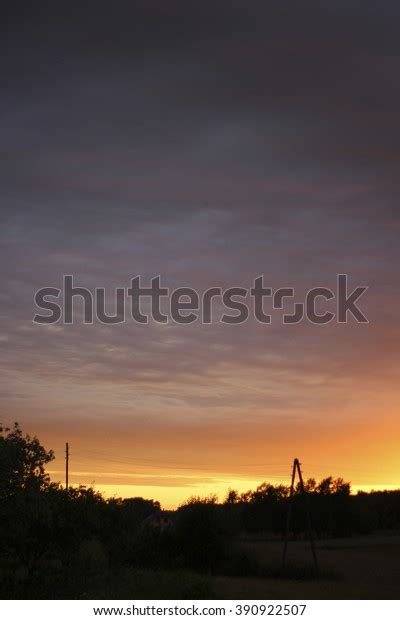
[(66, 464), (289, 514), (296, 468)]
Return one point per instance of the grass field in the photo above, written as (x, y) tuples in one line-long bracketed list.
[(363, 567)]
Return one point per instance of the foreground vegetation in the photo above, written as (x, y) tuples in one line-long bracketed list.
[(59, 543)]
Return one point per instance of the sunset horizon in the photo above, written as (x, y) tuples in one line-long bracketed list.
[(172, 478), (199, 302)]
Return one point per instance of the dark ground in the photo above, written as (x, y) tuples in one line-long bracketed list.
[(361, 567)]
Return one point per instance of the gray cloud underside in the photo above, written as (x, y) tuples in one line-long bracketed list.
[(208, 145)]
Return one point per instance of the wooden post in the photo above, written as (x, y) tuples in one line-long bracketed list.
[(296, 467), (289, 514), (66, 464), (307, 508)]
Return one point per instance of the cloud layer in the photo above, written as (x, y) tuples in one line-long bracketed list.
[(208, 144)]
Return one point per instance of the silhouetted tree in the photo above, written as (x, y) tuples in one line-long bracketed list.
[(232, 497), (22, 462)]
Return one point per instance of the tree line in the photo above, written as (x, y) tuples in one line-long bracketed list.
[(74, 543)]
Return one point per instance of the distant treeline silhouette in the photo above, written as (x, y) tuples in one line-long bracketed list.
[(74, 543)]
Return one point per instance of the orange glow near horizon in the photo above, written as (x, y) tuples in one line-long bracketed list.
[(176, 463), (238, 425), (170, 497)]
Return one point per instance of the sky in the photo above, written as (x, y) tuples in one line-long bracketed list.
[(208, 143)]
